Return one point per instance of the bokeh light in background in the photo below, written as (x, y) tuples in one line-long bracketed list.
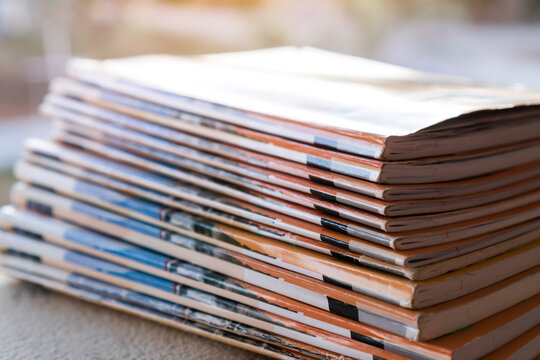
[(489, 40)]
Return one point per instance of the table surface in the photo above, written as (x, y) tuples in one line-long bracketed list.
[(36, 323)]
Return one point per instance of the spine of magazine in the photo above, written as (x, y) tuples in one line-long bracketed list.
[(289, 198), (203, 181), (185, 296), (233, 152), (363, 211), (374, 252)]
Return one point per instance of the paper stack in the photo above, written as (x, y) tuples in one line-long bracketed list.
[(292, 201)]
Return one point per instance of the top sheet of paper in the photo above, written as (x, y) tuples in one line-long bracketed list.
[(313, 86)]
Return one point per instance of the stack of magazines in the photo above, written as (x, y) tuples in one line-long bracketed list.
[(295, 202)]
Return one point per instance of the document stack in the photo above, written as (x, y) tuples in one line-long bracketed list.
[(291, 201)]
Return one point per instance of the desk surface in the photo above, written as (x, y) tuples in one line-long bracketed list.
[(36, 323)]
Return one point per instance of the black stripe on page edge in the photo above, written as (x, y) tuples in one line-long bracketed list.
[(343, 309), (323, 195), (332, 225), (346, 258), (27, 233), (45, 154), (341, 284), (367, 340), (326, 210), (23, 255), (321, 180), (39, 207), (334, 242)]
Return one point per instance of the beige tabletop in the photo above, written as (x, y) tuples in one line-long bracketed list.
[(36, 323)]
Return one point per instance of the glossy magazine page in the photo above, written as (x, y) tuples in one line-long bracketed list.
[(88, 242), (83, 240), (297, 286), (428, 170), (310, 285), (524, 194)]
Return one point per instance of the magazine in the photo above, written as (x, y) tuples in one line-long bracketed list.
[(524, 347), (388, 192), (325, 295), (261, 189), (431, 115)]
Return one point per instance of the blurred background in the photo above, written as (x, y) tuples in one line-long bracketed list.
[(495, 41)]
